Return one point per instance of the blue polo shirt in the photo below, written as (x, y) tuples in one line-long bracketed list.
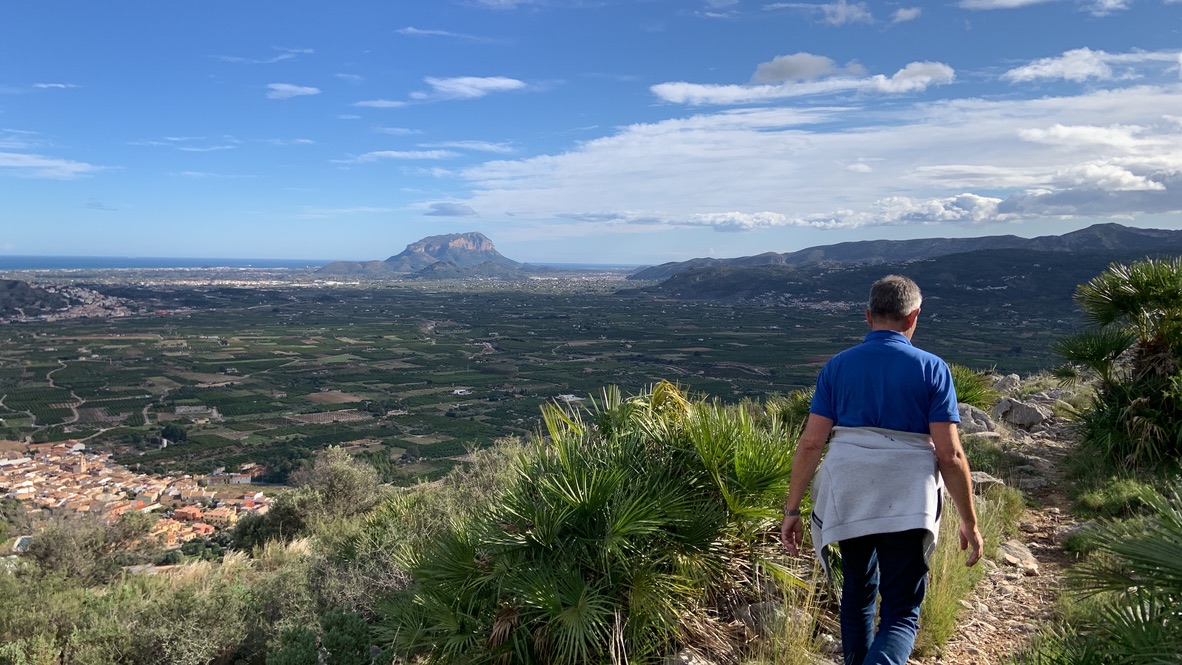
[(886, 382)]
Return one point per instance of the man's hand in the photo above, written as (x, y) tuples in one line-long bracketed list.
[(792, 534), (970, 539)]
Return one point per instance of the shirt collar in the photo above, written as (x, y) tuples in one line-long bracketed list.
[(886, 336)]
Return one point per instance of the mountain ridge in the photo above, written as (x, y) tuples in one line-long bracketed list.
[(18, 297), (1108, 236)]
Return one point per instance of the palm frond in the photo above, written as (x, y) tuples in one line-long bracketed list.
[(973, 387), (1097, 350)]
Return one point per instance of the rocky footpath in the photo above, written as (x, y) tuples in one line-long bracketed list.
[(1024, 577)]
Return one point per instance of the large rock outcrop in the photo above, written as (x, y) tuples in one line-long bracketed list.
[(456, 252)]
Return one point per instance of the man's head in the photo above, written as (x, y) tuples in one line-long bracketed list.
[(894, 303)]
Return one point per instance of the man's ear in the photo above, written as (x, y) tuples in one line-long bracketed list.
[(912, 318), (869, 320)]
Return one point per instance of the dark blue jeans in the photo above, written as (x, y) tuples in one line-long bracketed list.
[(890, 565)]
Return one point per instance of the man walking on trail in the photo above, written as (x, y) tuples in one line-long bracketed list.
[(891, 411)]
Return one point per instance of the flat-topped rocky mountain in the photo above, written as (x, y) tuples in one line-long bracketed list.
[(458, 251)]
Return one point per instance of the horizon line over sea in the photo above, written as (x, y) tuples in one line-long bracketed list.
[(29, 262)]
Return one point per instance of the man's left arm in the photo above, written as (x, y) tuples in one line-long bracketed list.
[(954, 467)]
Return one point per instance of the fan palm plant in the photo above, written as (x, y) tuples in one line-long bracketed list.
[(1135, 419), (626, 535), (1135, 580), (973, 387)]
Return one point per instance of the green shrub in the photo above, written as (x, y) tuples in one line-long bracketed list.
[(792, 410), (1134, 420), (1119, 497), (990, 456), (1126, 595), (634, 537), (973, 387)]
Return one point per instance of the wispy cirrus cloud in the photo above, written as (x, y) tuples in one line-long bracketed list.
[(466, 87), (411, 31), (832, 13), (478, 146), (190, 143), (351, 78), (1081, 64), (39, 166), (55, 86), (380, 104), (283, 54), (289, 142), (18, 139), (448, 89), (206, 148), (289, 90), (382, 155), (504, 4), (397, 131), (1094, 7), (1000, 4), (915, 77), (219, 176)]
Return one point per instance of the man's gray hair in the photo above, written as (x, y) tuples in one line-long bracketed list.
[(894, 297)]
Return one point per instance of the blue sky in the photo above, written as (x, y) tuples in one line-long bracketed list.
[(594, 131)]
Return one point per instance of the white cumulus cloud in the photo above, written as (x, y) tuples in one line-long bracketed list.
[(904, 14), (1093, 155), (1103, 176), (915, 77), (795, 67), (1076, 65), (1083, 63), (1117, 136)]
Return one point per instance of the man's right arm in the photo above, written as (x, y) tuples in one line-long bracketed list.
[(954, 467)]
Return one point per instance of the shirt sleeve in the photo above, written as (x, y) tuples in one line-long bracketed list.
[(944, 404)]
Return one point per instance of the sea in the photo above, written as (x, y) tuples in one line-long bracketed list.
[(148, 263), (144, 263)]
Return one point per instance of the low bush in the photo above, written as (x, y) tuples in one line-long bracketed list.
[(1117, 497), (973, 387), (1125, 596), (637, 536)]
